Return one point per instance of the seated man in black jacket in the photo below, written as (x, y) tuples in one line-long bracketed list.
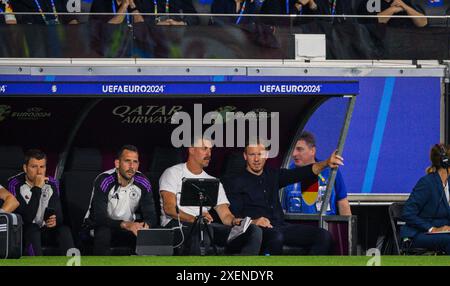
[(255, 193), (38, 195), (119, 196)]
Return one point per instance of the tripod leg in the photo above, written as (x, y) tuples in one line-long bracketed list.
[(208, 232), (201, 238), (192, 242)]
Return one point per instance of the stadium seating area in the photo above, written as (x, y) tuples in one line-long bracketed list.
[(262, 37), (349, 37), (85, 164), (352, 7)]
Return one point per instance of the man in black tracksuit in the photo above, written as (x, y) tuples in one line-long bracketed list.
[(40, 206), (122, 203)]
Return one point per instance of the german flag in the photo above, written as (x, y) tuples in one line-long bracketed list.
[(310, 191)]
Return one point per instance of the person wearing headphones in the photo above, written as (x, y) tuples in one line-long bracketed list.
[(427, 211)]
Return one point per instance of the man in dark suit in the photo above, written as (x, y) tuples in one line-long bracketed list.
[(427, 211)]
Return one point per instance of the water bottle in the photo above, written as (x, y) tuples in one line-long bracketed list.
[(294, 201), (321, 198)]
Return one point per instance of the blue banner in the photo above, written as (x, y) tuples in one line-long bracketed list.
[(435, 3), (394, 124), (154, 88)]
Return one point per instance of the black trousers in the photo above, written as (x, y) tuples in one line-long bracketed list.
[(34, 237), (105, 237), (316, 239), (249, 243), (437, 242)]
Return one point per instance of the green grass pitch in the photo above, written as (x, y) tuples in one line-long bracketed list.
[(231, 261)]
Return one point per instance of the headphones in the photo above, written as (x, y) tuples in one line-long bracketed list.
[(443, 157), (444, 163)]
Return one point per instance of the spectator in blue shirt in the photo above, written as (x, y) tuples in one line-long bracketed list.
[(309, 199)]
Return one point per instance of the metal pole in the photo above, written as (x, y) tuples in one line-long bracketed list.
[(447, 107), (331, 180)]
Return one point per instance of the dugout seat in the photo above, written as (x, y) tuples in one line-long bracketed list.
[(11, 162), (234, 164), (161, 159), (403, 247), (84, 165)]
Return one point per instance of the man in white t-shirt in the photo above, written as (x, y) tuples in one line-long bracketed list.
[(170, 184)]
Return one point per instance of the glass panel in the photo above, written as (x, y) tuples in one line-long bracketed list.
[(224, 30)]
